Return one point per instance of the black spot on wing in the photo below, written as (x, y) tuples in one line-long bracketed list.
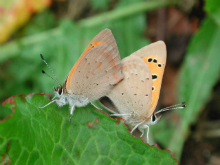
[(154, 76)]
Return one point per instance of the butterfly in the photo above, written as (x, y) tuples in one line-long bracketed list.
[(135, 97), (95, 73)]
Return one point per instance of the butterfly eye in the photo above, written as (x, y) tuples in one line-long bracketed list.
[(153, 118), (60, 90)]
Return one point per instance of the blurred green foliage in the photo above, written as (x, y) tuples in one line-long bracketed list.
[(213, 9), (61, 42), (100, 5), (61, 47), (199, 74)]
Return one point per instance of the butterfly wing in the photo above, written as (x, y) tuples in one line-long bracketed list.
[(154, 56), (133, 93), (96, 73), (105, 37)]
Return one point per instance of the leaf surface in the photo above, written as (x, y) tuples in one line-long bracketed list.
[(45, 136)]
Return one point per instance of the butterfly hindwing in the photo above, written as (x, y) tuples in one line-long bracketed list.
[(133, 93), (154, 56)]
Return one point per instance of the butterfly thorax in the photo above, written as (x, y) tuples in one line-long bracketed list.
[(66, 98)]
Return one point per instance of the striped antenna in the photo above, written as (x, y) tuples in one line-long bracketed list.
[(55, 77), (177, 106)]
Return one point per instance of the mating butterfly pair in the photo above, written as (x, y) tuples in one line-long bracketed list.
[(133, 84)]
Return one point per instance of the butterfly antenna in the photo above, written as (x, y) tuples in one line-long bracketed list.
[(50, 77), (55, 79), (177, 106)]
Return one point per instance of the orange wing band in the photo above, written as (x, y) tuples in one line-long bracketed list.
[(156, 83), (80, 58)]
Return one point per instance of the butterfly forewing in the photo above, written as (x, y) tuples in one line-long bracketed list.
[(106, 38), (133, 93), (96, 73), (154, 56)]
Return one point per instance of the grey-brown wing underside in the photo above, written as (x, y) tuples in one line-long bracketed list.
[(133, 93), (154, 56), (156, 49), (96, 73)]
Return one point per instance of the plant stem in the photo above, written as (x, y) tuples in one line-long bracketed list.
[(125, 12)]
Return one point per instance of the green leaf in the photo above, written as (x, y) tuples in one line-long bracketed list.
[(100, 5), (199, 74), (213, 9), (45, 136)]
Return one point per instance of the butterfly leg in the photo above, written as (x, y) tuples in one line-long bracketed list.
[(72, 108), (135, 127), (95, 106), (48, 104), (54, 98), (142, 131)]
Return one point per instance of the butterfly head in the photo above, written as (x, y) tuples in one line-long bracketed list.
[(154, 119), (59, 91)]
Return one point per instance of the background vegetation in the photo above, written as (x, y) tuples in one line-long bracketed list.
[(61, 30)]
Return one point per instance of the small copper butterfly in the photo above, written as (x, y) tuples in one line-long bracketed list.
[(94, 74), (136, 96)]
